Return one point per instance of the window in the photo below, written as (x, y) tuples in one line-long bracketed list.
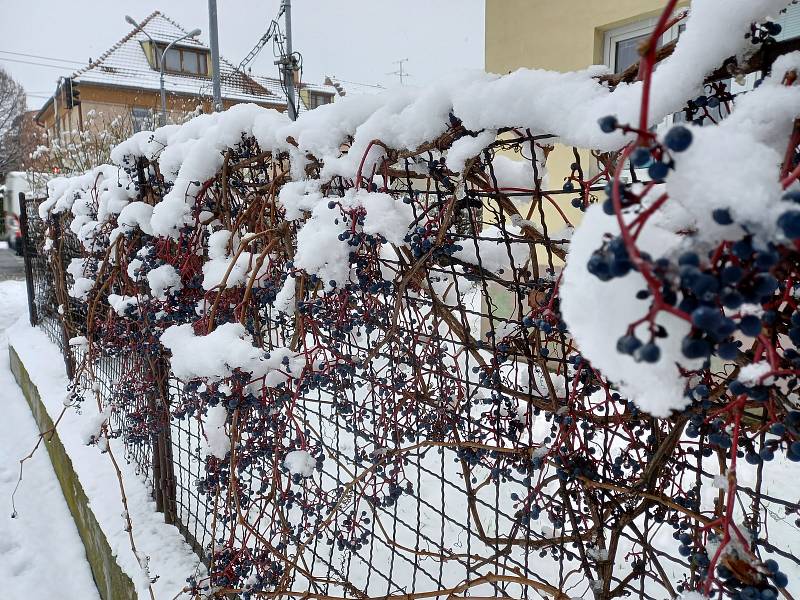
[(190, 61), (789, 22), (316, 99), (142, 119), (621, 48)]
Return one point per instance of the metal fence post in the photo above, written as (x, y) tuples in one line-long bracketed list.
[(26, 255), (64, 300), (164, 489)]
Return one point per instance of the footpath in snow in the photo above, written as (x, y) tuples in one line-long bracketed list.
[(41, 555)]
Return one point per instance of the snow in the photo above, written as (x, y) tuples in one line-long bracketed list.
[(211, 355), (321, 252), (161, 546), (739, 160), (217, 441), (120, 304), (753, 373), (492, 250), (43, 556), (229, 346), (136, 214), (598, 314), (466, 148), (567, 105), (285, 301), (299, 462), (220, 267), (163, 279)]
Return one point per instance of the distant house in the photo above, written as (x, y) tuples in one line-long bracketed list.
[(124, 82)]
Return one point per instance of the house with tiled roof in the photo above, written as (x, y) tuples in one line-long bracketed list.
[(125, 82)]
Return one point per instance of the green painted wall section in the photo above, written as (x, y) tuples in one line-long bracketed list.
[(111, 581)]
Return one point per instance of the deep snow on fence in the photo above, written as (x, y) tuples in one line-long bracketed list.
[(348, 355)]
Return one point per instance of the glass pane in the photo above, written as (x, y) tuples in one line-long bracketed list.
[(627, 52), (142, 119), (190, 62), (201, 57), (173, 60)]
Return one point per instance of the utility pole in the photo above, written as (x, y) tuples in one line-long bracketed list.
[(400, 72), (288, 62), (214, 39)]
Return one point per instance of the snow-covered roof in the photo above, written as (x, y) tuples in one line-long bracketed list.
[(125, 64)]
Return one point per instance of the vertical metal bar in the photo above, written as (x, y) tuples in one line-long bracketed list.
[(62, 298), (214, 40), (158, 487), (163, 473), (26, 255), (288, 63)]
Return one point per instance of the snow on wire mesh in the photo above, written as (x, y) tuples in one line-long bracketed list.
[(397, 391)]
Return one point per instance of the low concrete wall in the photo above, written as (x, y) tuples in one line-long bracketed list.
[(111, 581)]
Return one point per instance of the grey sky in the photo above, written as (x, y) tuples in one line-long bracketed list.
[(352, 39)]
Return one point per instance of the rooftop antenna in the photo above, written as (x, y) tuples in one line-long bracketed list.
[(400, 72)]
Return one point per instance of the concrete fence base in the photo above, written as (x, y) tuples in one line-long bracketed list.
[(111, 581)]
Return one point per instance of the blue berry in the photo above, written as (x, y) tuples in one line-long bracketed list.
[(628, 344), (752, 458), (607, 124), (658, 171), (640, 157), (771, 565), (722, 216), (732, 299), (731, 274), (678, 138), (649, 353), (695, 348), (789, 222), (705, 317), (690, 259), (728, 351), (750, 325)]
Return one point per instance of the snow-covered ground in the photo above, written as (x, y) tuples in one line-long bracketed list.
[(41, 555)]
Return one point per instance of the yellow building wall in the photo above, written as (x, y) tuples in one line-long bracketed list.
[(557, 35)]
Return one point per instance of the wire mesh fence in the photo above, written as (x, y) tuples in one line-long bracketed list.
[(415, 424)]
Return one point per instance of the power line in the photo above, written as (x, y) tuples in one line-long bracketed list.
[(26, 55), (63, 68), (372, 85)]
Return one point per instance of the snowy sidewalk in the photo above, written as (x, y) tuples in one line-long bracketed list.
[(42, 556)]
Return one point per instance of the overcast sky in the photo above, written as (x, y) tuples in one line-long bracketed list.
[(355, 40)]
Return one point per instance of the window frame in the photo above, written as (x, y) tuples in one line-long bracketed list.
[(317, 99), (200, 57), (613, 36)]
